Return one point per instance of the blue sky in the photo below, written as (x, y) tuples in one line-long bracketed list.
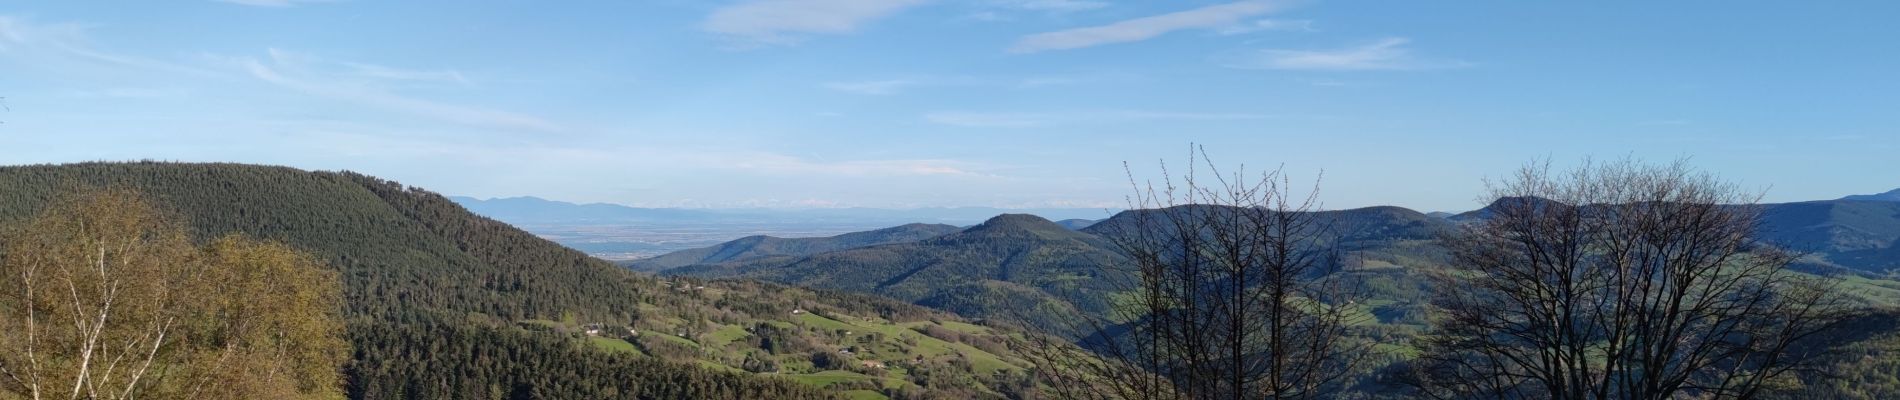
[(906, 103)]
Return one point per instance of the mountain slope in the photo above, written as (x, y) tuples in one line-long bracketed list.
[(1859, 235), (755, 247), (422, 274), (1011, 263), (1368, 229), (402, 250), (1076, 223), (1025, 267), (1891, 195)]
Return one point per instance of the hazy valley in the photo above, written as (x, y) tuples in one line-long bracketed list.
[(622, 233)]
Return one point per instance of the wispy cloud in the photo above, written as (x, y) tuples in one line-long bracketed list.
[(789, 21), (273, 3), (1144, 28), (1010, 10), (1051, 5), (1384, 54), (685, 160), (64, 45), (882, 87), (1028, 120), (1264, 25), (303, 73)]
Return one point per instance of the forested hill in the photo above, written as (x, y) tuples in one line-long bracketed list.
[(1858, 233), (1003, 267), (402, 250), (1861, 235), (756, 247), (1011, 263), (446, 304), (1023, 266), (1891, 195)]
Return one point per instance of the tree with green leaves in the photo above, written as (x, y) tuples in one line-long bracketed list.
[(105, 297)]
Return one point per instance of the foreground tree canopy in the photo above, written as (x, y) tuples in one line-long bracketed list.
[(104, 296), (1227, 299), (1622, 280)]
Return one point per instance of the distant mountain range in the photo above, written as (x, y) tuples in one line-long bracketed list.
[(1859, 232), (1892, 195), (1012, 260), (757, 247), (534, 210), (1010, 263), (1856, 233), (1853, 234), (1026, 267)]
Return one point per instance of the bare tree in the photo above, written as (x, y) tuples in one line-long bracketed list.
[(1620, 280), (1227, 296)]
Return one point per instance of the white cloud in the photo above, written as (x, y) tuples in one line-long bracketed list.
[(301, 73), (1385, 54), (1144, 28), (272, 3), (67, 45), (788, 21), (357, 143), (1299, 25), (1027, 120), (1051, 5), (881, 87), (986, 16)]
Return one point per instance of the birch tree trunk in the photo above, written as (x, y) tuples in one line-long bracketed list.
[(135, 307)]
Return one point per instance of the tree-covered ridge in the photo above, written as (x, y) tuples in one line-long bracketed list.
[(756, 247), (1025, 267), (1387, 253), (409, 258), (1011, 264), (468, 361), (1857, 233), (392, 264)]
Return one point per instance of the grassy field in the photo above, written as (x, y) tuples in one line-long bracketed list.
[(677, 339), (614, 344), (725, 334), (864, 395)]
